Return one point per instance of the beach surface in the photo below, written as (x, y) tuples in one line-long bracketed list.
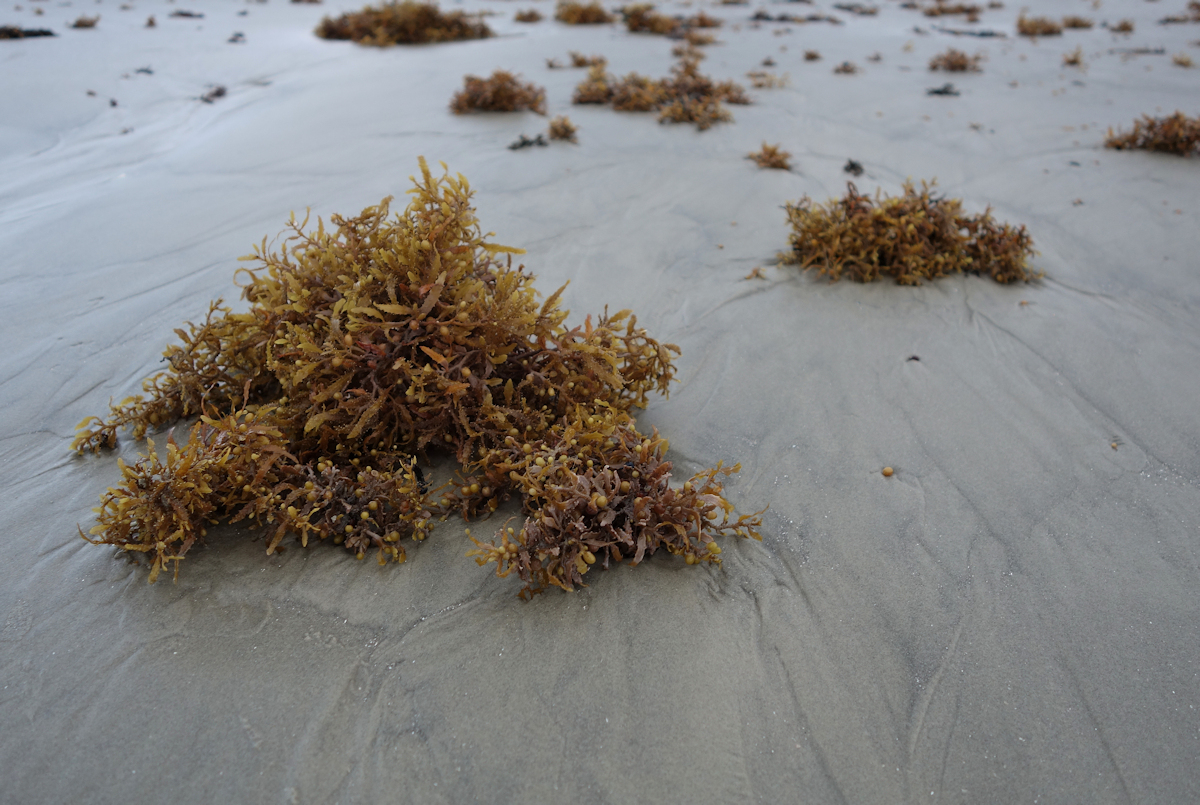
[(1012, 616)]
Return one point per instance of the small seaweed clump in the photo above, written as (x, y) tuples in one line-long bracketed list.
[(686, 96), (500, 93), (85, 21), (561, 128), (956, 61), (1076, 22), (369, 346), (771, 156), (914, 237), (528, 15), (1037, 26), (574, 13), (403, 23), (1175, 134)]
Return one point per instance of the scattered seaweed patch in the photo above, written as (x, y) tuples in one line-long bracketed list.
[(761, 79), (186, 15), (913, 238), (944, 9), (1122, 27), (853, 167), (529, 15), (946, 89), (1182, 60), (771, 156), (846, 68), (1192, 15), (857, 9), (526, 142), (1037, 26), (1174, 134), (1077, 23), (561, 128), (502, 92), (15, 32), (574, 13), (642, 18), (812, 55), (1074, 58), (403, 23), (215, 92), (381, 340), (956, 61), (580, 60), (686, 96), (85, 22)]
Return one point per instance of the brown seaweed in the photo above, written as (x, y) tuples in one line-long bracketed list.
[(956, 61), (596, 493), (528, 15), (561, 128), (1037, 26), (771, 156), (686, 96), (502, 92), (574, 13), (376, 342), (1174, 134), (1192, 15), (407, 22), (1076, 22), (914, 237)]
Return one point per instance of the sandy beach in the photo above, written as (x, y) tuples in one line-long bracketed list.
[(1012, 616)]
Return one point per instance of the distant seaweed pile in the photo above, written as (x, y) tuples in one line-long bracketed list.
[(913, 237), (502, 92), (574, 13), (955, 61), (1174, 134), (403, 23), (384, 340), (642, 18), (686, 96)]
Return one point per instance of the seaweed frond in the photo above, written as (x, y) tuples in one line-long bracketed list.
[(771, 156), (913, 237), (502, 92), (406, 22), (597, 493), (956, 61), (1174, 134)]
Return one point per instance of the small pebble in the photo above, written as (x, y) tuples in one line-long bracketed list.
[(887, 472)]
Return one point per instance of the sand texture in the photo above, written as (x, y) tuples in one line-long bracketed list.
[(1012, 616)]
